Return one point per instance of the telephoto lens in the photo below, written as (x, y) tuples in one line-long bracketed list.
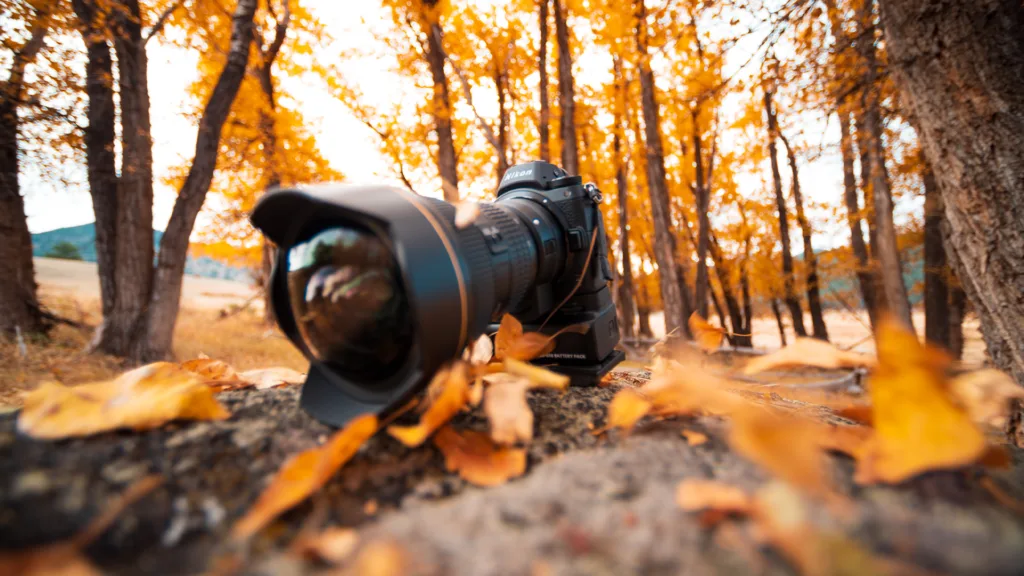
[(379, 287)]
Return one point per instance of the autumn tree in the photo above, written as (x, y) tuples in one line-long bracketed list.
[(789, 294), (676, 309), (544, 116), (566, 91), (19, 305), (959, 66)]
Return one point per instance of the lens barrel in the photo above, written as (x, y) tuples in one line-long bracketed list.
[(379, 287)]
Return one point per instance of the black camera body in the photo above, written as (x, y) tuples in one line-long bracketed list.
[(379, 288), (578, 292)]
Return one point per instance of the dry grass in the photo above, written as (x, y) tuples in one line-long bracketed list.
[(242, 340)]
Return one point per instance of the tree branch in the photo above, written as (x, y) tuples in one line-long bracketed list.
[(484, 126), (158, 26)]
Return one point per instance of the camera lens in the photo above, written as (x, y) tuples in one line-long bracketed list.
[(349, 303)]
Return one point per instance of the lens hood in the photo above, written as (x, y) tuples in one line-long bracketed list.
[(436, 281)]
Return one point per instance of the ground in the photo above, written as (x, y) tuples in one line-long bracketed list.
[(588, 503)]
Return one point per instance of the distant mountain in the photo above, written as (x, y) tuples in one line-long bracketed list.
[(84, 238)]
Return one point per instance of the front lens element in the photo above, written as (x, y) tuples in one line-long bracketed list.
[(349, 302)]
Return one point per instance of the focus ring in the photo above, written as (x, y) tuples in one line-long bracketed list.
[(472, 250), (520, 259)]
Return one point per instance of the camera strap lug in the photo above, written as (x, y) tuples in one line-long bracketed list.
[(594, 193)]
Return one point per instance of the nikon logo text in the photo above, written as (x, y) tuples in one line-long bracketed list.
[(511, 174)]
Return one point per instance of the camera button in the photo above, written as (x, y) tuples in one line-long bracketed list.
[(577, 240)]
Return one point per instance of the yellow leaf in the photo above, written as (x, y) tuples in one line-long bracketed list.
[(808, 352), (334, 545), (917, 425), (453, 393), (507, 410), (141, 399), (627, 408), (511, 343), (303, 474), (478, 460), (211, 370), (538, 377), (693, 495), (694, 438), (786, 447), (708, 337), (272, 377), (986, 395), (380, 558)]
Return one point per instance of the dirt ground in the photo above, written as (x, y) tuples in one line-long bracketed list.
[(588, 504)]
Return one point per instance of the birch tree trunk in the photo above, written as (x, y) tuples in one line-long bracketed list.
[(960, 68)]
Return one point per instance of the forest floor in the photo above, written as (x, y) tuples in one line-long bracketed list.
[(588, 503)]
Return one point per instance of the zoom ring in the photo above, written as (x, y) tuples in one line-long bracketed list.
[(517, 266)]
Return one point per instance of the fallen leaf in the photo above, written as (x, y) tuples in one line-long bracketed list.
[(539, 377), (380, 558), (65, 558), (986, 395), (708, 337), (678, 390), (141, 399), (860, 413), (786, 447), (694, 438), (334, 545), (272, 377), (507, 410), (917, 425), (512, 343), (481, 352), (627, 408), (782, 518), (453, 393), (478, 460), (808, 352), (693, 495), (465, 214), (849, 440), (216, 373), (303, 474)]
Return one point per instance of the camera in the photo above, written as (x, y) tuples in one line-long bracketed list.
[(379, 287)]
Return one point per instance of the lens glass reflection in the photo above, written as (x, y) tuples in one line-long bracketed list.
[(349, 302)]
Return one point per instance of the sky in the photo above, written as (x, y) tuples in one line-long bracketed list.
[(350, 147)]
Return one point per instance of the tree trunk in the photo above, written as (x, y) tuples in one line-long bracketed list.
[(742, 337), (778, 320), (501, 86), (810, 258), (792, 302), (664, 239), (703, 283), (268, 133), (626, 308), (544, 122), (123, 329), (163, 308), (566, 93), (747, 330), (884, 247), (441, 109), (98, 138), (865, 279), (936, 289), (957, 311), (960, 66), (643, 312), (19, 306)]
